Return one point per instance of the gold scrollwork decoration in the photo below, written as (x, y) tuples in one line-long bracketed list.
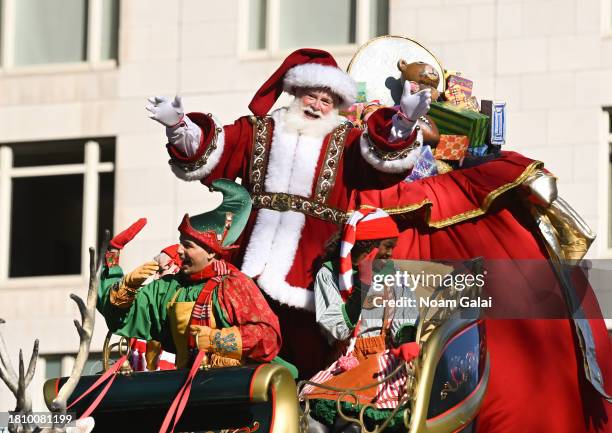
[(344, 393), (393, 155), (333, 153), (122, 347), (259, 158)]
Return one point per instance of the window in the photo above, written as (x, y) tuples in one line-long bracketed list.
[(283, 25), (35, 32), (56, 198), (61, 365)]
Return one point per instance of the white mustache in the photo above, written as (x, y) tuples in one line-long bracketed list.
[(313, 112)]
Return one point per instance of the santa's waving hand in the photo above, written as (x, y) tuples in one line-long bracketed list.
[(414, 105), (181, 131)]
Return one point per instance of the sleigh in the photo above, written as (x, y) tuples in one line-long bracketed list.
[(247, 399), (447, 386), (444, 390)]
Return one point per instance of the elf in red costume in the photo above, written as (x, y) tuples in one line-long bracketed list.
[(300, 164)]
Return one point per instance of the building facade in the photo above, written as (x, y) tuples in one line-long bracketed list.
[(78, 153)]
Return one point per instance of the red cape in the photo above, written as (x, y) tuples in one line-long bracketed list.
[(537, 381)]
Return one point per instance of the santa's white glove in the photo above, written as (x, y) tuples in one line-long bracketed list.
[(414, 105), (181, 132), (165, 112)]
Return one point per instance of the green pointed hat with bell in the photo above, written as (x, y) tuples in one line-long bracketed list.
[(219, 228)]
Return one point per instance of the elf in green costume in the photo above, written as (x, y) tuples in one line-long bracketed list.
[(208, 306)]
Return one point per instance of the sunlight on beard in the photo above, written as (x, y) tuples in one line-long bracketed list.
[(295, 120)]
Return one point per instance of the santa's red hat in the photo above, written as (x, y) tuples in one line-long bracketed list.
[(306, 67)]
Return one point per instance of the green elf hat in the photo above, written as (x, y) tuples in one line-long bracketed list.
[(219, 228)]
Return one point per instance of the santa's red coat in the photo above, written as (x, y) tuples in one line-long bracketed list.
[(280, 249)]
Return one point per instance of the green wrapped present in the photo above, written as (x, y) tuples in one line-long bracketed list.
[(452, 120)]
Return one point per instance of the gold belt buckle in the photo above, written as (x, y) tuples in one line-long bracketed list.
[(281, 201)]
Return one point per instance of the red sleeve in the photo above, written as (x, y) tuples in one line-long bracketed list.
[(376, 161), (232, 160), (379, 129), (245, 307)]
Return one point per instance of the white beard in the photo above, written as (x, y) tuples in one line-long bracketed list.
[(295, 120)]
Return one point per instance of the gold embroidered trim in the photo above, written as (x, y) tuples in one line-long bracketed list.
[(482, 209), (259, 160), (334, 150), (284, 202), (473, 213), (193, 166), (393, 155), (408, 208)]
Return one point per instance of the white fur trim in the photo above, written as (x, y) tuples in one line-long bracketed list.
[(317, 75), (260, 243), (284, 248), (395, 166), (273, 244), (189, 176), (213, 159), (293, 159)]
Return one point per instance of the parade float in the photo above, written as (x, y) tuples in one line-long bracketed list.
[(444, 386)]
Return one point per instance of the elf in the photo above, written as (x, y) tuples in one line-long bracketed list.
[(209, 305), (364, 323)]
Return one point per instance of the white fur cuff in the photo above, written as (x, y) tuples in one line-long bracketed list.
[(201, 168), (388, 166)]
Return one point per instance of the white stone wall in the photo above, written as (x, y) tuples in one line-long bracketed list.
[(547, 59)]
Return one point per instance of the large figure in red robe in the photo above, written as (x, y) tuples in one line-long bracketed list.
[(545, 373)]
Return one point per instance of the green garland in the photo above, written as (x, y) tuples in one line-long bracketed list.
[(324, 411)]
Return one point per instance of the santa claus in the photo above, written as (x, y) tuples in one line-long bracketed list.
[(301, 165)]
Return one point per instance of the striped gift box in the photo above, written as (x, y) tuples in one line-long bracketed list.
[(452, 120)]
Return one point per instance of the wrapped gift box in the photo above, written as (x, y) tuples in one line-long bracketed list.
[(452, 147), (357, 113), (461, 83), (452, 120), (478, 151), (496, 110)]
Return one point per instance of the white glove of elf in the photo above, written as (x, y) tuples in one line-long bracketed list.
[(414, 105), (181, 132)]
